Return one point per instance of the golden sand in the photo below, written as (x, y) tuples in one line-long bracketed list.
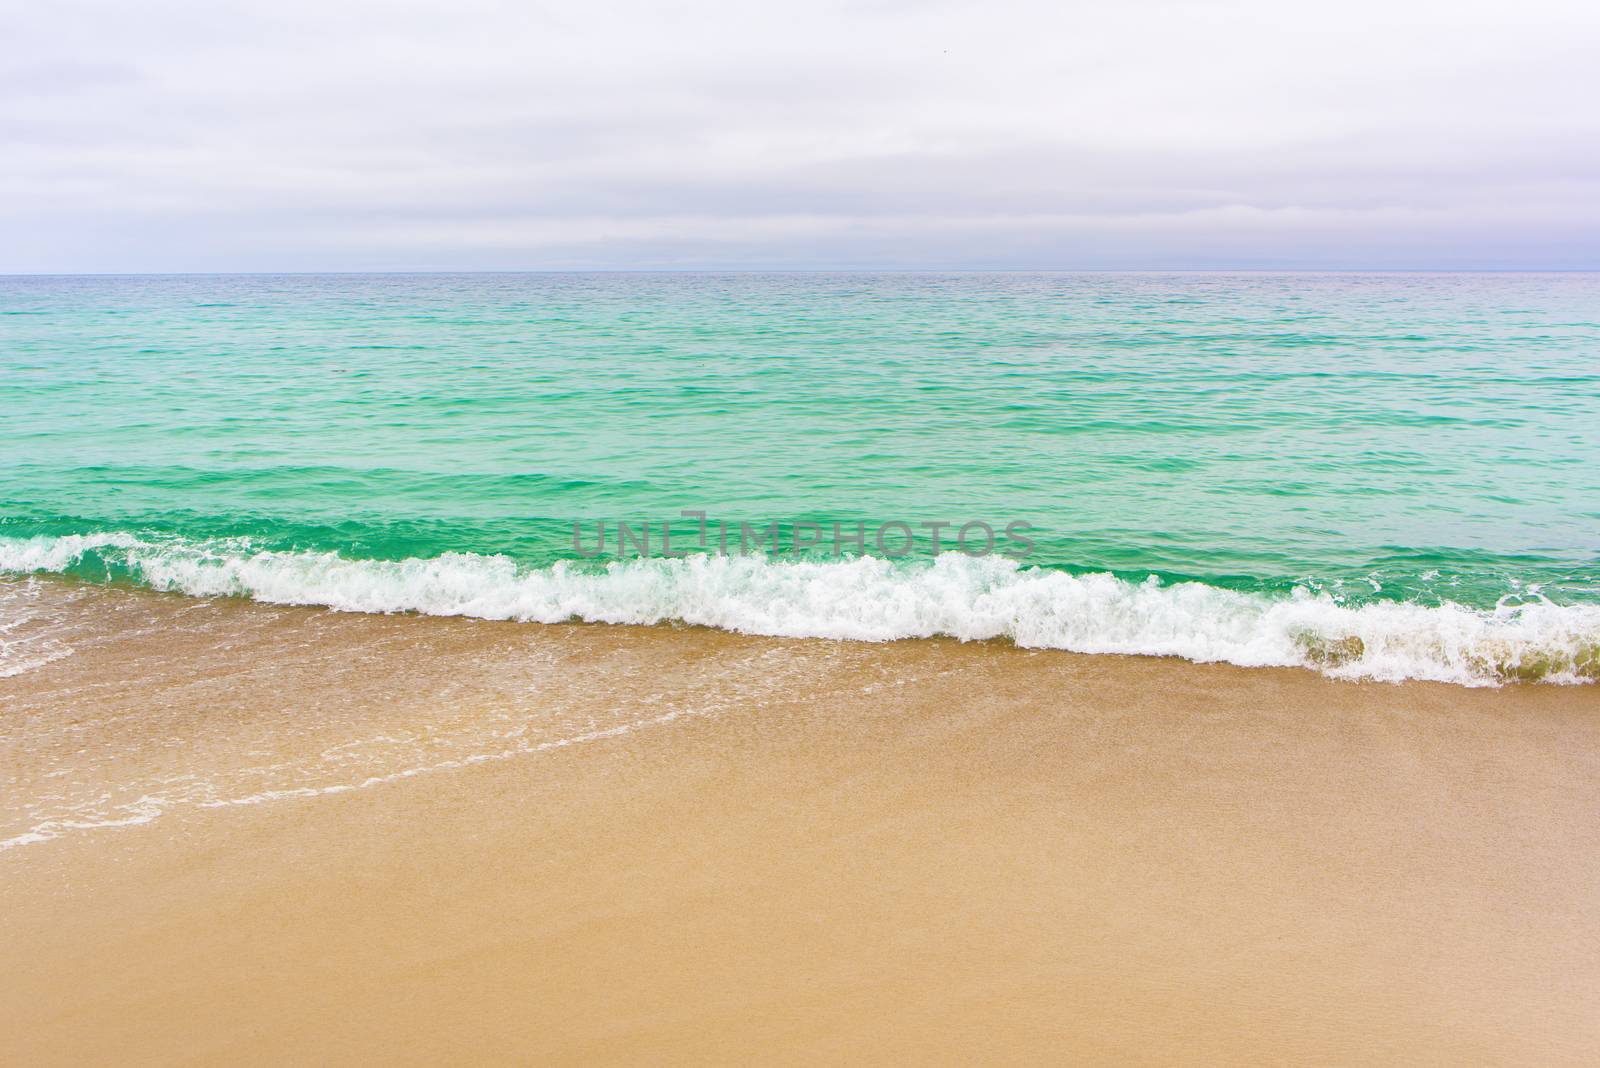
[(358, 839)]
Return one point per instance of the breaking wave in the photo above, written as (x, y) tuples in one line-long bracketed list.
[(868, 599)]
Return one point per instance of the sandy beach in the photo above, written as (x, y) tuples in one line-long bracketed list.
[(348, 838), (834, 534)]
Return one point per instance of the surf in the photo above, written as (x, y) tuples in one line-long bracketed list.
[(865, 598)]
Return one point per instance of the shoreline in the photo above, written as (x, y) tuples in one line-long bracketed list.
[(648, 844), (1533, 640)]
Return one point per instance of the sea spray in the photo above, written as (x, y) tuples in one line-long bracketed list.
[(870, 599)]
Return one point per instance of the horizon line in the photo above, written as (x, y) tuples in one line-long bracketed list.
[(437, 271)]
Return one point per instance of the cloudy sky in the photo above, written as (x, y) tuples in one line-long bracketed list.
[(474, 134)]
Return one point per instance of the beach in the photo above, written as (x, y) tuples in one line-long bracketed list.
[(839, 534), (248, 833)]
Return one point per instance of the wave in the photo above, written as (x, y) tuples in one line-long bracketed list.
[(868, 599)]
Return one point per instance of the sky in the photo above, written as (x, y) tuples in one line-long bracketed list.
[(476, 135)]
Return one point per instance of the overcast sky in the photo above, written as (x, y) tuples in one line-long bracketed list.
[(335, 135)]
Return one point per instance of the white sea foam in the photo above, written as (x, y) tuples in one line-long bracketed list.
[(148, 808), (873, 600), (28, 640)]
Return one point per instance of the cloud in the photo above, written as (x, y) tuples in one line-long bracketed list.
[(329, 136)]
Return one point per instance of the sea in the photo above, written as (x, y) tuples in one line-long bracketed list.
[(1377, 476)]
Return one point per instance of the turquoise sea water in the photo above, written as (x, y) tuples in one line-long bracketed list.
[(1379, 475)]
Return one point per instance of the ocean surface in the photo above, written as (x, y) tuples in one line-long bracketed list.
[(1384, 476)]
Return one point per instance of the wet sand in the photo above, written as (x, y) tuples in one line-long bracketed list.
[(340, 839)]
